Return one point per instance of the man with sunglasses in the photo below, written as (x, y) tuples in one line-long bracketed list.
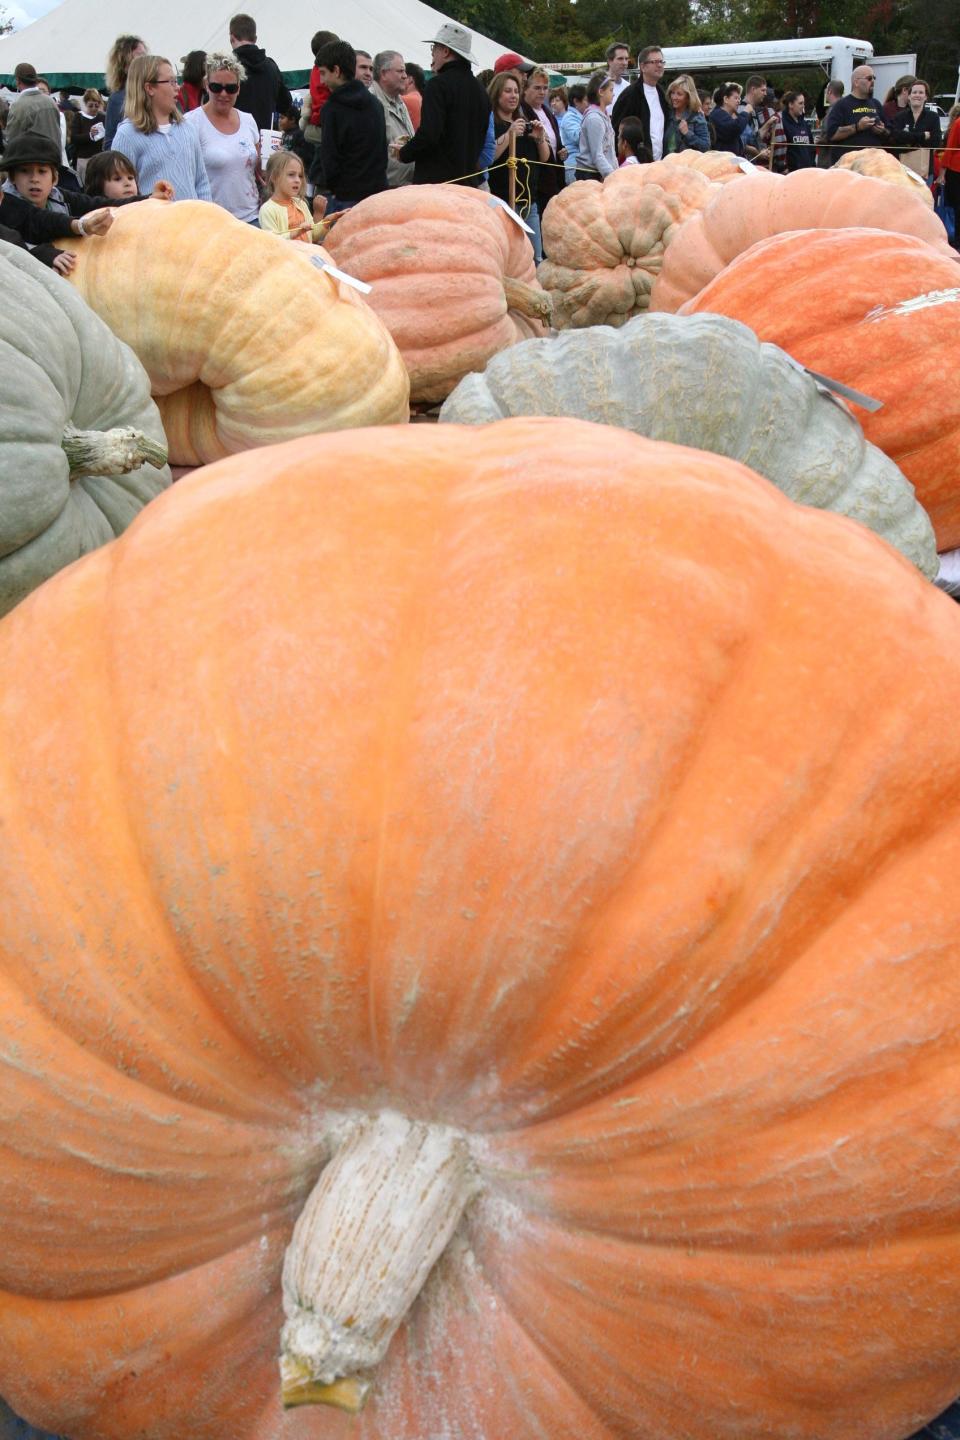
[(263, 93), (454, 117)]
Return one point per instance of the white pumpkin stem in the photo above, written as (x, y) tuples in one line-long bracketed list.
[(529, 300), (378, 1219), (110, 452)]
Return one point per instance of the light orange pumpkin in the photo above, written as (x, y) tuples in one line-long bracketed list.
[(881, 165), (766, 205), (716, 165), (879, 312), (246, 342), (546, 817), (605, 242), (453, 279)]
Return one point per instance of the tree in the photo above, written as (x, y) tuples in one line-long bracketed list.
[(6, 24)]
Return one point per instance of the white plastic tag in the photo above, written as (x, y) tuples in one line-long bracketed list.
[(517, 220), (747, 166), (836, 387), (336, 274)]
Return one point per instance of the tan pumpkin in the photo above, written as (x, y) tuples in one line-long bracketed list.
[(881, 165), (716, 165), (246, 342), (605, 242), (766, 205), (453, 278), (880, 312)]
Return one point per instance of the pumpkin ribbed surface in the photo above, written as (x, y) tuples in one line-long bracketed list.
[(881, 165), (717, 165), (605, 242), (245, 342), (559, 790), (880, 313), (706, 381), (453, 278), (61, 367), (768, 205)]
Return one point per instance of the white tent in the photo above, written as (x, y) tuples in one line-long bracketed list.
[(70, 44)]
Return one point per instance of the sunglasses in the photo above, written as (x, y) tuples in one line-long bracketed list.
[(216, 88)]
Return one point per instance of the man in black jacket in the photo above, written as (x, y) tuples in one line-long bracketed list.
[(647, 100), (353, 136), (263, 94), (454, 116)]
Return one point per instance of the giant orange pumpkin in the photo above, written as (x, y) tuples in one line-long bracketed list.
[(545, 846), (879, 312), (765, 204)]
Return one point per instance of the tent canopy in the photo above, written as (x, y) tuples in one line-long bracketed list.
[(70, 44)]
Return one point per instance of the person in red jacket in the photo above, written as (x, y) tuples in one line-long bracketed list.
[(949, 172)]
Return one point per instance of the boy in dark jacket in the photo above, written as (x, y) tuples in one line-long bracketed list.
[(263, 94), (353, 140)]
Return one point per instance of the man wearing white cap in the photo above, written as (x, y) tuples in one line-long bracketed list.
[(454, 117)]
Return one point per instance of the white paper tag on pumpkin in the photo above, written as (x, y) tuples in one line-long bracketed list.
[(833, 388), (747, 166), (497, 203), (336, 274)]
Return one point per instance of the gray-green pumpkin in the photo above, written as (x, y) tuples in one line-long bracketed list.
[(76, 425), (708, 382)]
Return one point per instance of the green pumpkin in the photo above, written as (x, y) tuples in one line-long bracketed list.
[(66, 486), (707, 382)]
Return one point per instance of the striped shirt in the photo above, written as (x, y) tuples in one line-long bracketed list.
[(172, 154)]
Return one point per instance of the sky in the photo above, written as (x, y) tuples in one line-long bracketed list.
[(21, 12)]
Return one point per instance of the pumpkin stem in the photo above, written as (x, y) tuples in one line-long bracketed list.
[(110, 452), (378, 1219), (530, 300)]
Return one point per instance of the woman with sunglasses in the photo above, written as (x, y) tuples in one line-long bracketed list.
[(229, 139), (153, 136)]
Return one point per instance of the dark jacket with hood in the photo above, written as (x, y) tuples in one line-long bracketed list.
[(263, 94), (353, 143), (453, 127)]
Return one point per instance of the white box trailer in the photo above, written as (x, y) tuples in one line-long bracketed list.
[(836, 55)]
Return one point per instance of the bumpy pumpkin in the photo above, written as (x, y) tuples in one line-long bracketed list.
[(879, 312), (245, 341), (768, 205), (717, 165), (606, 241), (511, 863), (82, 447), (881, 165), (453, 276), (705, 381)]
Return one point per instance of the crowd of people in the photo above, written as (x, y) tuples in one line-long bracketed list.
[(228, 130)]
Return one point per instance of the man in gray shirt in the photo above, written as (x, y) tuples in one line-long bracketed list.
[(389, 77)]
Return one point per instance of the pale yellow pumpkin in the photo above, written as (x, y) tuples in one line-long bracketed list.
[(881, 165), (246, 342)]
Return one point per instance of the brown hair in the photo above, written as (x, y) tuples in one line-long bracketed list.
[(118, 61), (243, 28), (498, 83)]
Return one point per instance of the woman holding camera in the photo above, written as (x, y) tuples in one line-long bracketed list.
[(531, 142)]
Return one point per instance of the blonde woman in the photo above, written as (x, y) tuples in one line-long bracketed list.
[(229, 139), (154, 137), (123, 52), (686, 128)]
